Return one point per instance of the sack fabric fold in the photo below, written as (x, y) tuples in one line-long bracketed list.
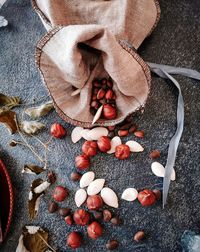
[(86, 40)]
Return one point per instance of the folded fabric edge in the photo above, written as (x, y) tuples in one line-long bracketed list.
[(136, 57)]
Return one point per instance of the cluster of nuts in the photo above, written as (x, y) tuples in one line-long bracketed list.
[(125, 128), (103, 95), (148, 197)]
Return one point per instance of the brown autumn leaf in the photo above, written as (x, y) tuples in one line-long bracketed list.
[(32, 169), (8, 118), (36, 192), (33, 239), (9, 102)]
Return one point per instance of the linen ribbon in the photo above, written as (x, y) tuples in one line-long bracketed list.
[(165, 71)]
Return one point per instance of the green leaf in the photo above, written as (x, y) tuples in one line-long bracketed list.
[(8, 118), (9, 102), (39, 111), (32, 169), (33, 239)]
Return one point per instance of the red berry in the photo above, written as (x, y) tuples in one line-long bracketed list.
[(94, 230), (57, 130), (81, 217), (60, 193), (89, 148), (74, 240), (82, 162)]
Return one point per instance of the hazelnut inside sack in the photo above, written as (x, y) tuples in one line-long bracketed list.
[(71, 57)]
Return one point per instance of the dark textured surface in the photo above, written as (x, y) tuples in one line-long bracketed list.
[(175, 41)]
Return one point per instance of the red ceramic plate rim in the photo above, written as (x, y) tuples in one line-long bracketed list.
[(2, 166)]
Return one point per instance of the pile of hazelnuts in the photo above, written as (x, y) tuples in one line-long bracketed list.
[(83, 217), (103, 95)]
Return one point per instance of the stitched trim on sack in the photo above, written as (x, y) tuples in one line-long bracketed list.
[(66, 118)]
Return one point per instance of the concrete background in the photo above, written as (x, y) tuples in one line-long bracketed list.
[(176, 42)]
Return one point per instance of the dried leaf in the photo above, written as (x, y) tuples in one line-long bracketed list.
[(32, 169), (8, 118), (39, 111), (37, 190), (31, 127), (33, 239), (3, 21), (9, 101)]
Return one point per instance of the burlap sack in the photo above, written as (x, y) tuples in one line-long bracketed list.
[(72, 56)]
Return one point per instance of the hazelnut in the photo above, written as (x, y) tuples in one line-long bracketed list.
[(69, 220), (64, 211), (89, 148), (107, 215), (94, 202), (82, 162), (139, 133), (104, 144), (122, 151), (132, 129), (74, 240), (81, 217), (157, 193), (53, 207), (109, 83), (139, 236), (104, 81), (112, 244), (57, 130), (116, 221), (94, 97), (94, 104), (75, 176), (146, 197), (94, 230), (60, 193), (109, 94), (97, 215), (122, 133), (154, 154), (109, 112), (51, 177), (126, 126), (100, 94), (111, 128), (96, 83)]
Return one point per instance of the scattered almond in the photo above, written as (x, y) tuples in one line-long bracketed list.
[(109, 197), (96, 133), (159, 170), (97, 115), (76, 134), (139, 133), (134, 146), (154, 154), (86, 179), (95, 186), (80, 197), (115, 141), (130, 194)]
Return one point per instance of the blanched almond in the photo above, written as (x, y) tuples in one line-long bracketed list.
[(115, 141), (134, 146), (130, 194), (80, 197), (76, 134), (109, 197), (76, 92), (86, 179), (95, 186), (84, 134), (159, 170), (97, 115), (97, 132)]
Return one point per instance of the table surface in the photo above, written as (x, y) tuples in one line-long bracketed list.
[(176, 42)]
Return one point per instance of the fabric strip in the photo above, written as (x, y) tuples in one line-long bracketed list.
[(164, 71)]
